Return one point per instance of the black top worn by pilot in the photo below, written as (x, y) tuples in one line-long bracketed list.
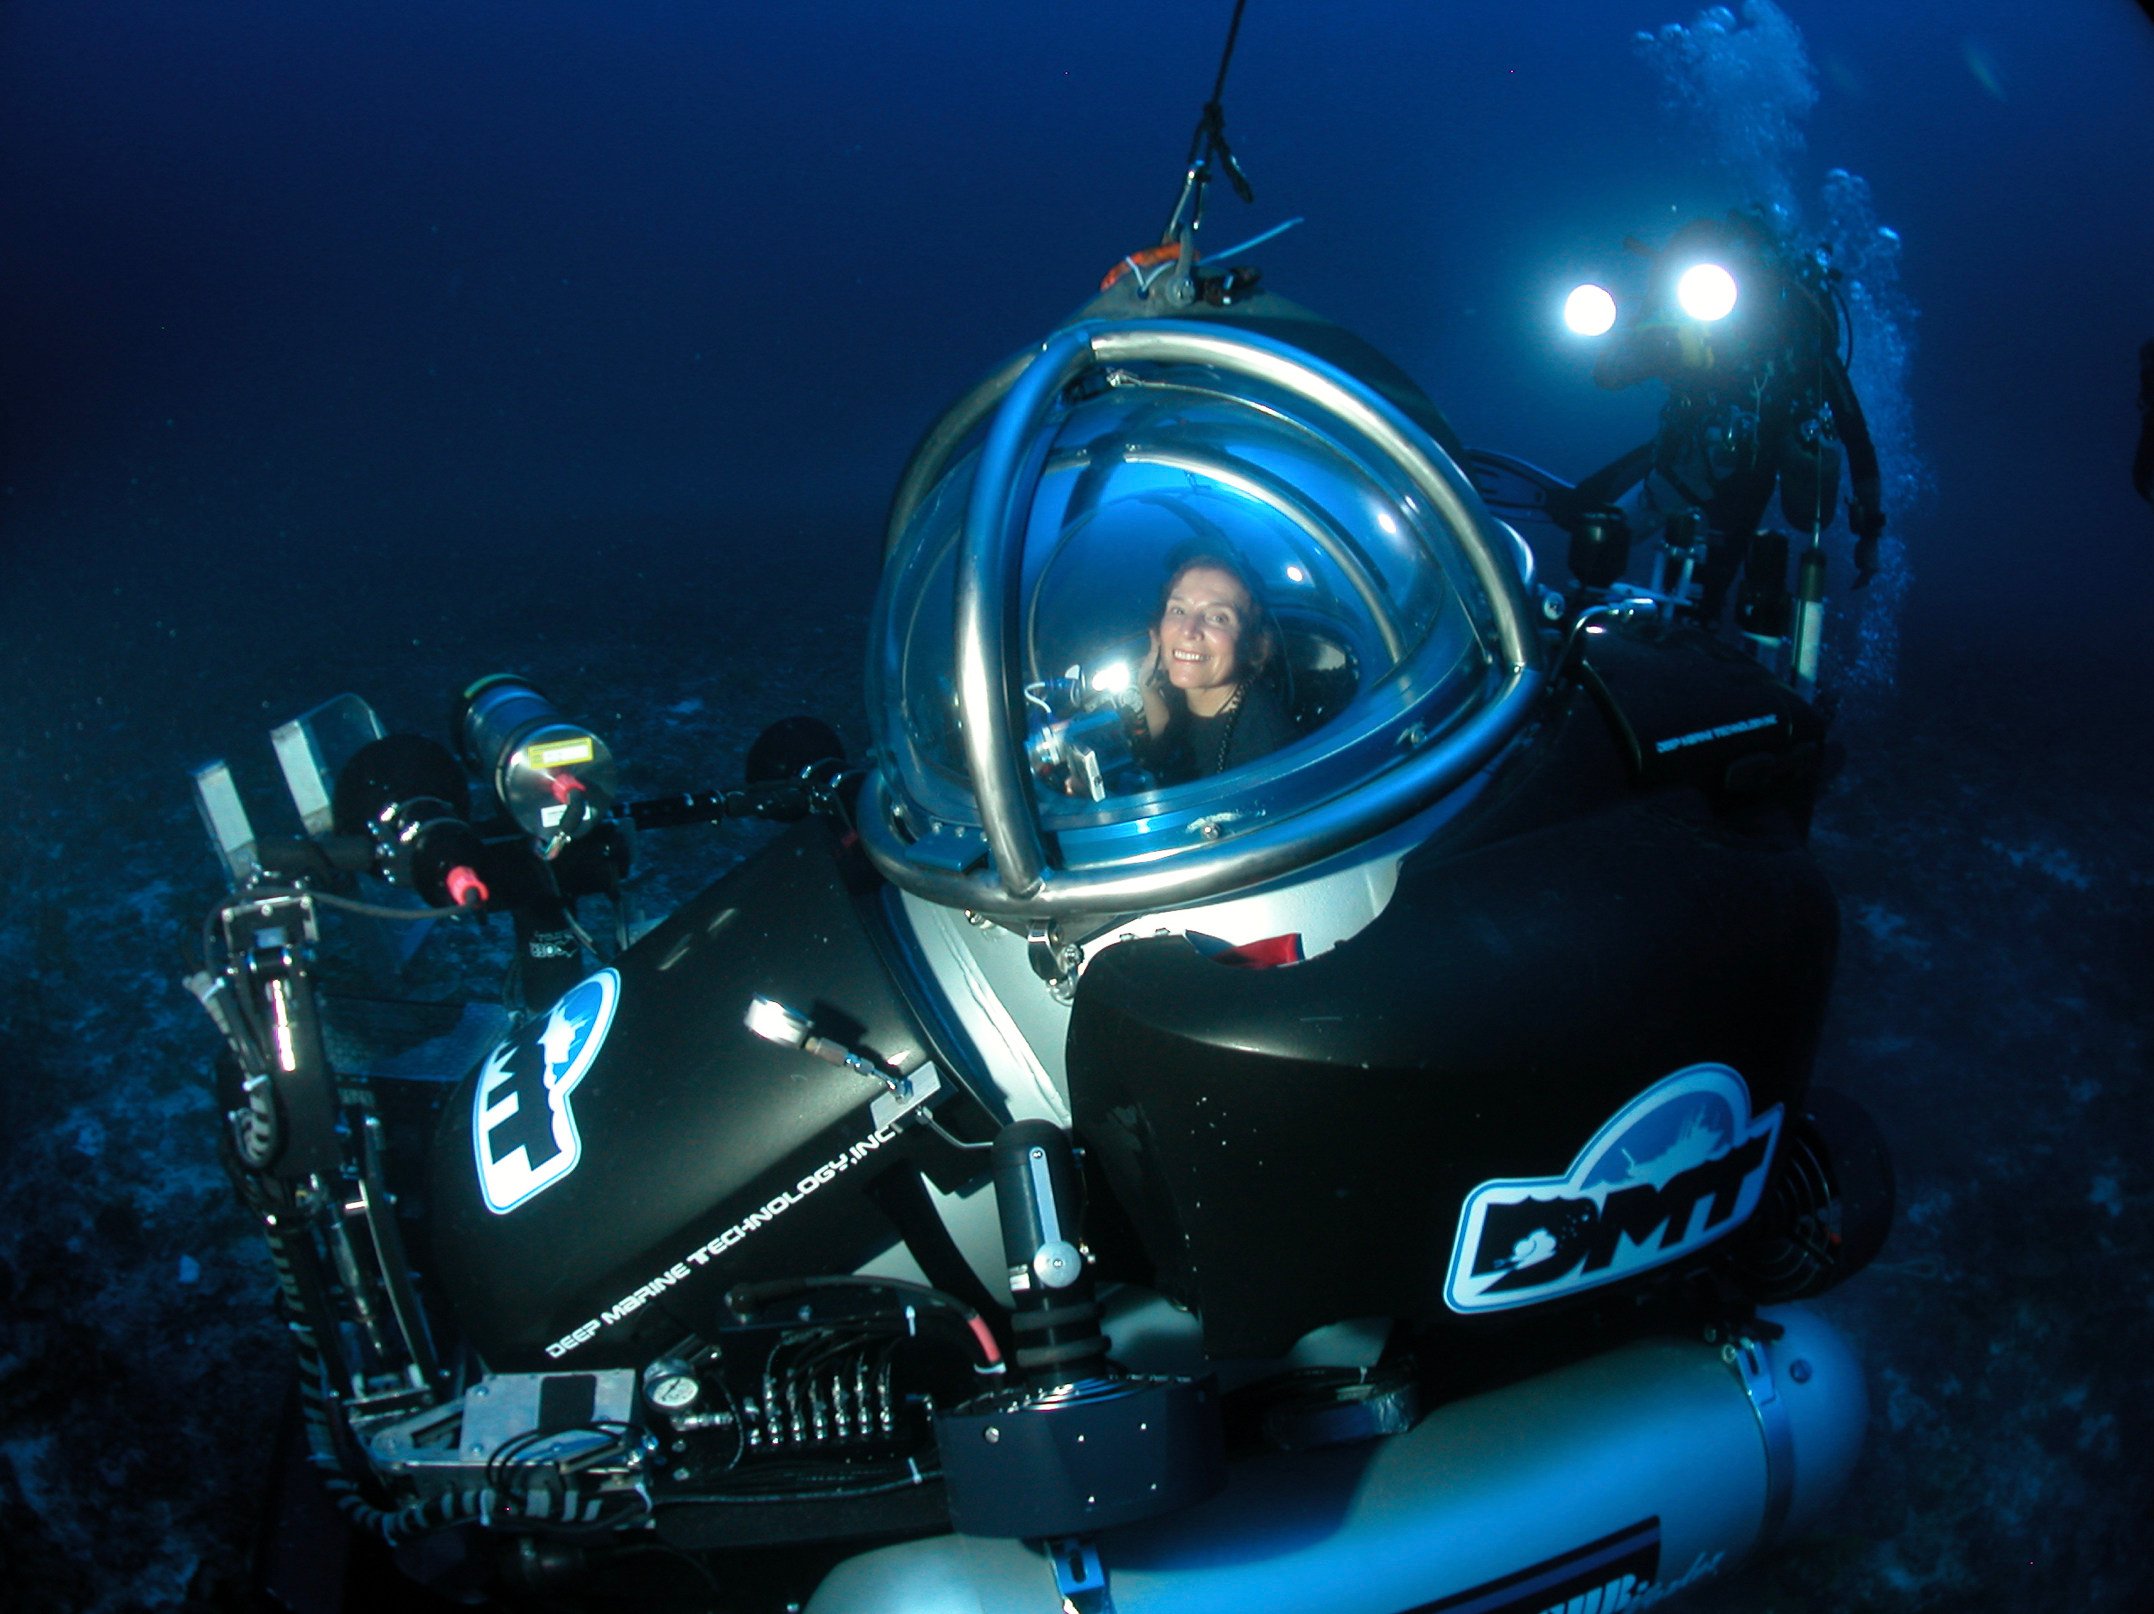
[(1254, 724)]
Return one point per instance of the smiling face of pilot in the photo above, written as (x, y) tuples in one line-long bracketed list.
[(1200, 631)]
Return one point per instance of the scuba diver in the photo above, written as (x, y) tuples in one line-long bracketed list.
[(2143, 460), (1747, 334)]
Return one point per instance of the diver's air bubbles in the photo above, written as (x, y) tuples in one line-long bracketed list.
[(1744, 87), (1706, 291), (1589, 310)]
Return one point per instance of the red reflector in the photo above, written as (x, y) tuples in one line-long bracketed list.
[(1266, 954)]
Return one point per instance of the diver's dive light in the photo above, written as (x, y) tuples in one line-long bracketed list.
[(1590, 310), (1707, 292), (555, 778)]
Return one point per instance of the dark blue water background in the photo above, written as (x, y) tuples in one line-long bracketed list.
[(357, 283), (351, 345)]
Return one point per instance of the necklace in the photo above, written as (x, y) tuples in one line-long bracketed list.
[(1232, 712)]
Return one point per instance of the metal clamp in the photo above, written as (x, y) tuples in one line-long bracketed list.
[(1080, 1576), (1053, 960), (1751, 1361)]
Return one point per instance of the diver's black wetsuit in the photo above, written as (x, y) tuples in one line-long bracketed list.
[(1755, 401), (2143, 460)]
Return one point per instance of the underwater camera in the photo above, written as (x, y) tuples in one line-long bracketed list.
[(1082, 736)]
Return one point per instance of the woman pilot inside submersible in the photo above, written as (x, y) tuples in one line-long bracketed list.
[(1209, 704)]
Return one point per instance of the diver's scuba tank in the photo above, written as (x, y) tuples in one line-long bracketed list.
[(1809, 613)]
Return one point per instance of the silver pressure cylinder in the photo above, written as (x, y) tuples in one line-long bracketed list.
[(1661, 1464), (555, 778)]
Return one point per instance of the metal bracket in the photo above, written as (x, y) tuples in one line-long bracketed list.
[(1080, 1576), (1057, 1263), (1751, 1361), (231, 833), (1053, 960), (908, 1094)]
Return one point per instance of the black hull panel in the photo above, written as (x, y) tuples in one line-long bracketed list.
[(1299, 1144), (706, 1156)]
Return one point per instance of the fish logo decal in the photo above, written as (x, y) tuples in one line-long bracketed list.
[(1676, 1168), (523, 1131)]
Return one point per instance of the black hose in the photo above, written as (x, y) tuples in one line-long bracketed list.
[(381, 910), (371, 910), (339, 1473)]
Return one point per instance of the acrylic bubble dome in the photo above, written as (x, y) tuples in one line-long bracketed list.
[(1022, 584)]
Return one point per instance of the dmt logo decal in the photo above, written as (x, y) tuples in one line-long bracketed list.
[(1674, 1169), (522, 1129)]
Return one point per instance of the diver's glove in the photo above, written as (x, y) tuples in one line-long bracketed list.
[(1868, 525)]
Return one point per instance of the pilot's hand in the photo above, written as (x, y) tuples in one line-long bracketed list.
[(1151, 679), (1148, 668)]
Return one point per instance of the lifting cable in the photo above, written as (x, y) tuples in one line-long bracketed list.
[(1210, 137)]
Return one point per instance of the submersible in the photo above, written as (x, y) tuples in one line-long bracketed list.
[(1058, 1169)]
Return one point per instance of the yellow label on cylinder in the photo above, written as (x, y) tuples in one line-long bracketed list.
[(561, 753)]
